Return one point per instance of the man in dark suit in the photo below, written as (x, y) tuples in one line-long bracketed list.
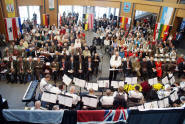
[(80, 68), (71, 65), (96, 61), (181, 68), (144, 69), (88, 68), (151, 68), (38, 68), (12, 70), (127, 67), (62, 67), (29, 69), (21, 68)]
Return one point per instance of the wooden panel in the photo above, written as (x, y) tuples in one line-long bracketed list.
[(90, 3), (147, 8), (52, 13), (170, 1), (181, 13), (29, 2), (129, 14)]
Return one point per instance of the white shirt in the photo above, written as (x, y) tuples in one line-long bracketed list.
[(76, 98), (44, 86), (134, 94), (115, 93), (116, 63), (107, 100), (77, 44)]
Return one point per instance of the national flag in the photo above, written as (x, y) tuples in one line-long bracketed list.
[(160, 31), (19, 26), (166, 32), (45, 19), (155, 31), (14, 28), (163, 30), (90, 21), (123, 22), (9, 30), (126, 22), (166, 15), (102, 116)]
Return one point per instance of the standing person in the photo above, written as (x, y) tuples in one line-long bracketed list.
[(12, 70), (96, 61), (89, 68), (21, 70), (38, 68), (158, 65), (115, 63), (151, 68)]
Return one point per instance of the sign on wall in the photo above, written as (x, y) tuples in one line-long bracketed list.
[(10, 8), (51, 4), (126, 7)]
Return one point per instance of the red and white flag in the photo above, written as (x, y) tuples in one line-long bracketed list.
[(9, 29)]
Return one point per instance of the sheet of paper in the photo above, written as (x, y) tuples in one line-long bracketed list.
[(89, 85), (134, 80), (121, 83), (67, 80), (92, 102), (106, 83), (151, 81), (166, 102), (141, 107), (172, 80), (165, 80), (49, 97), (155, 80), (80, 83), (95, 86), (128, 80), (174, 96), (161, 104), (148, 105), (154, 104), (64, 100), (101, 83), (115, 84), (55, 90), (132, 108)]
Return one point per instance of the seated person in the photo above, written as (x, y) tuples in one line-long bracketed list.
[(44, 84), (108, 99), (164, 93), (76, 98), (120, 98), (55, 107), (182, 99), (37, 106), (136, 95)]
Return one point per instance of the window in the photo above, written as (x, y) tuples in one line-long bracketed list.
[(100, 11), (182, 1), (66, 9), (138, 13), (117, 12), (26, 12), (79, 10)]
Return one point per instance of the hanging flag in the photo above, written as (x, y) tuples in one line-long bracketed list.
[(14, 28), (166, 32), (9, 30), (126, 23), (10, 8), (163, 30), (126, 7), (18, 20), (90, 21), (44, 19), (102, 116), (155, 31), (160, 31), (166, 15), (123, 21)]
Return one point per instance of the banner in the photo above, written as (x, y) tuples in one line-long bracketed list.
[(13, 28), (166, 15), (126, 7), (10, 8), (51, 4)]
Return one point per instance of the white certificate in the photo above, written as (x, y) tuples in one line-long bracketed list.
[(165, 80), (148, 105), (67, 80), (166, 102), (132, 108), (154, 104), (141, 107), (89, 101), (80, 82), (95, 86), (134, 80), (174, 96)]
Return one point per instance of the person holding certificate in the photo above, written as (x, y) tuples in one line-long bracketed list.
[(115, 63)]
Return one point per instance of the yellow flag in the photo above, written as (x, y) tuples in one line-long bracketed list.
[(123, 22), (44, 19), (10, 8), (164, 29)]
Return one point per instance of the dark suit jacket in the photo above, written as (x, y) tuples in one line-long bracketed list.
[(125, 65), (151, 65)]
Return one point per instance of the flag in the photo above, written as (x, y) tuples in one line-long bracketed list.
[(101, 116), (90, 21), (9, 30), (126, 22), (10, 8), (45, 19), (163, 30), (166, 32), (166, 15), (160, 31), (155, 31), (13, 28), (123, 21)]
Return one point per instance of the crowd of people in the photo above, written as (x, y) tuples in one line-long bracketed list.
[(42, 51)]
